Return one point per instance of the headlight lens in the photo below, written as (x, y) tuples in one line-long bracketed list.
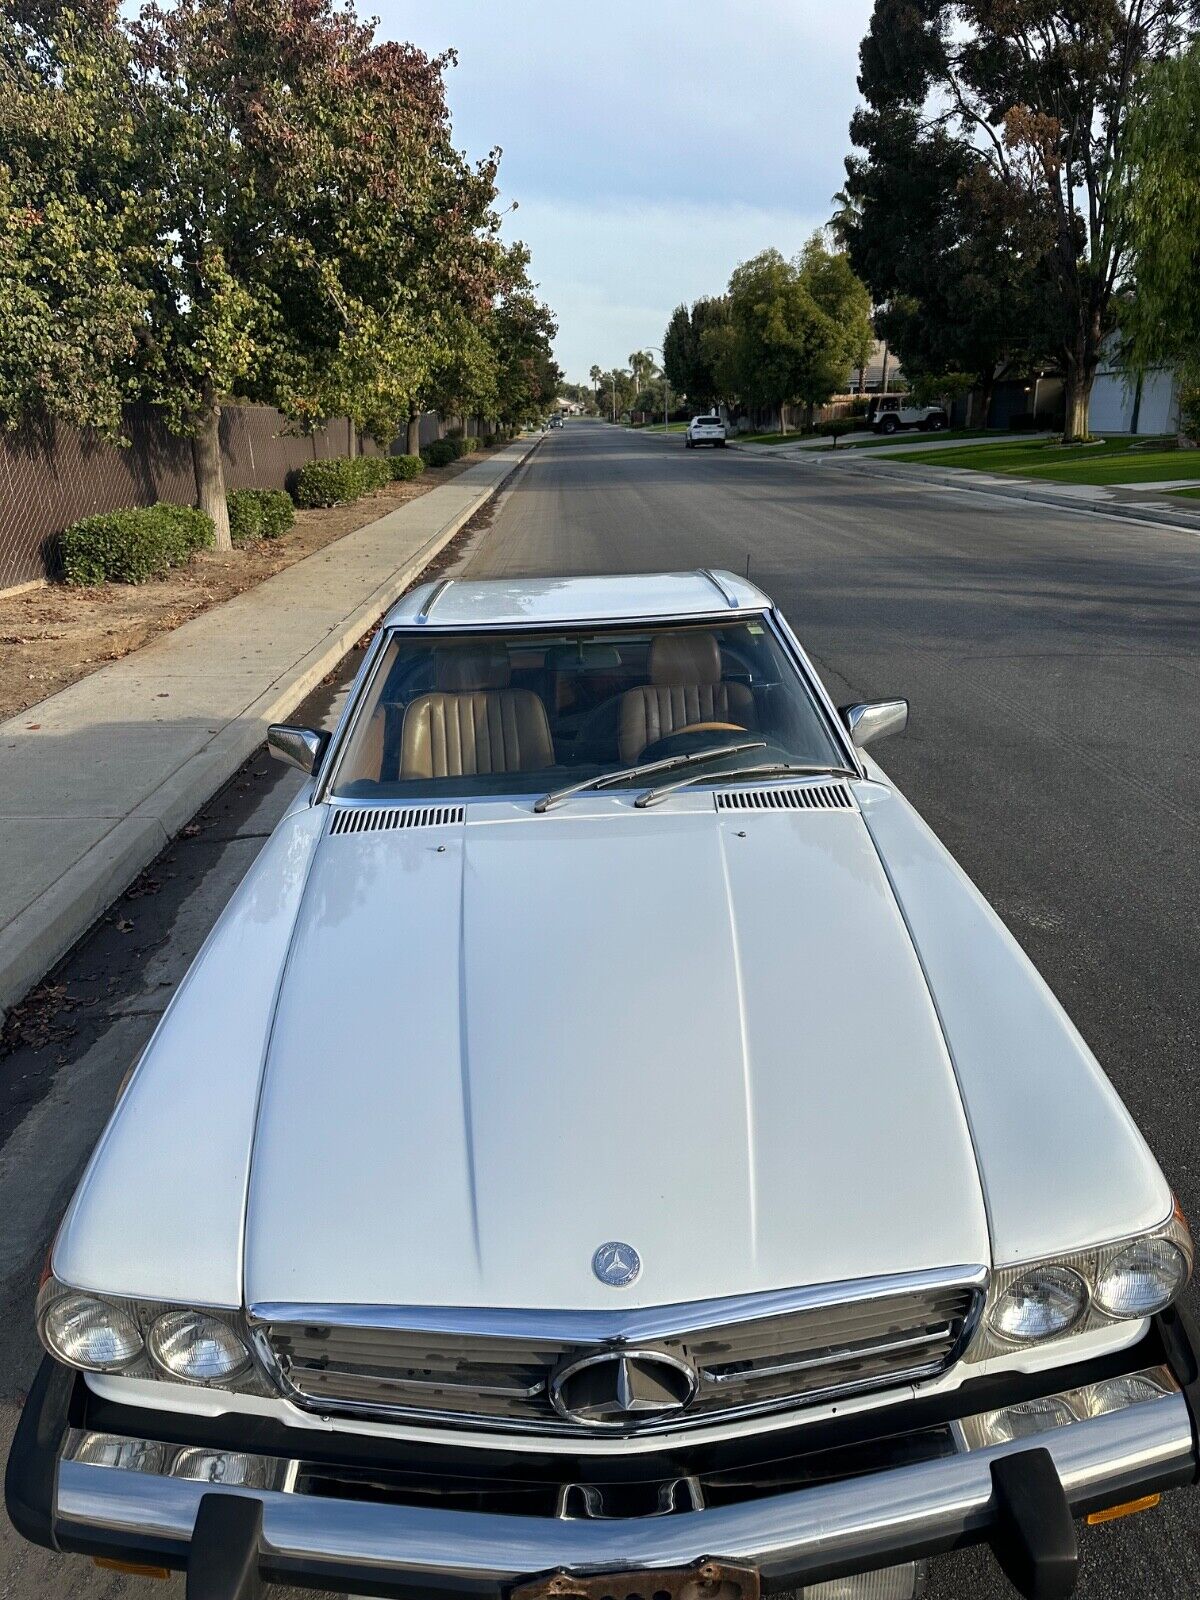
[(1142, 1279), (197, 1348), (1041, 1303), (86, 1332)]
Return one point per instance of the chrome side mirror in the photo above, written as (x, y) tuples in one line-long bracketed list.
[(874, 720), (298, 747)]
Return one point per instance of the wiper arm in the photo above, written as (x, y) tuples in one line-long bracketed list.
[(667, 764), (768, 769)]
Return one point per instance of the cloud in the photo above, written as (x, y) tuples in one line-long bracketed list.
[(651, 144)]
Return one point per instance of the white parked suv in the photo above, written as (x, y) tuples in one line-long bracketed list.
[(888, 413), (606, 1147), (705, 430)]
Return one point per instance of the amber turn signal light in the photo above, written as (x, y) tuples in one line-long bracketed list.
[(1127, 1509), (131, 1567)]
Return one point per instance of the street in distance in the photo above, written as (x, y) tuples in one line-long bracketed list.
[(604, 1084)]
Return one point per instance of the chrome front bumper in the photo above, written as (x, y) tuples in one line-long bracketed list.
[(792, 1538)]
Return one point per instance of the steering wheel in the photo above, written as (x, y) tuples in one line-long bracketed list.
[(684, 740)]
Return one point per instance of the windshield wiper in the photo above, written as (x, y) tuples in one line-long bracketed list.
[(768, 769), (667, 764)]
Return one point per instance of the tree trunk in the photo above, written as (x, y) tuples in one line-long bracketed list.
[(981, 401), (1079, 402), (783, 419), (209, 470), (413, 442)]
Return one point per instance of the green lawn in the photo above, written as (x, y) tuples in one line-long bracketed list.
[(1189, 494), (1114, 461), (947, 433), (864, 444), (657, 427)]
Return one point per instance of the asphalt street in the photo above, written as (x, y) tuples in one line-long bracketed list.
[(1052, 666)]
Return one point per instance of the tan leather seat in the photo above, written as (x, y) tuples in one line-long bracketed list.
[(685, 688), (484, 667), (487, 730)]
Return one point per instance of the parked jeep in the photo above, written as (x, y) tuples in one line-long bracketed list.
[(888, 413)]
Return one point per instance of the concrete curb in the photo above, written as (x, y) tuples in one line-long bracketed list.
[(47, 928), (1017, 489)]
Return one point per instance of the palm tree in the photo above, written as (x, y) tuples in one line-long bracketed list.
[(641, 364), (846, 218), (595, 375)]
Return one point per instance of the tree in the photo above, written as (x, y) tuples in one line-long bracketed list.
[(950, 252), (1042, 91), (845, 300), (1161, 323), (70, 313), (595, 375), (794, 330), (527, 376), (642, 365), (299, 258), (685, 360)]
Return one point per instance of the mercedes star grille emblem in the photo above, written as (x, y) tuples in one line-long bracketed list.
[(616, 1264), (622, 1388)]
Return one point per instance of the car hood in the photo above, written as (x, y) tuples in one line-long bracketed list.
[(501, 1043)]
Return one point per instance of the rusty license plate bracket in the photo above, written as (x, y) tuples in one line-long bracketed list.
[(704, 1580)]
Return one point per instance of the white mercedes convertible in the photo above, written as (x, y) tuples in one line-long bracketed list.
[(606, 1148)]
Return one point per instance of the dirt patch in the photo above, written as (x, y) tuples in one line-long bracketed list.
[(51, 637)]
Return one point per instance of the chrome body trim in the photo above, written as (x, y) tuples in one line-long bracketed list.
[(730, 599), (435, 594), (618, 1326), (853, 1524)]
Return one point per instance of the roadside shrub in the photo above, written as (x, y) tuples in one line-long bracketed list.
[(245, 517), (470, 444), (131, 546), (372, 472), (440, 453), (278, 512), (491, 440), (259, 514), (836, 428), (327, 483), (404, 467)]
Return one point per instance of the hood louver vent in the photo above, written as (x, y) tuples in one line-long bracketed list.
[(384, 819), (801, 797)]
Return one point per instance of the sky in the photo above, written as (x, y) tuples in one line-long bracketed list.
[(649, 146)]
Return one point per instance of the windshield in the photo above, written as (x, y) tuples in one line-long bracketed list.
[(523, 712)]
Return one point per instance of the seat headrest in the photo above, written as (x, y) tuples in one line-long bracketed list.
[(460, 671), (685, 658)]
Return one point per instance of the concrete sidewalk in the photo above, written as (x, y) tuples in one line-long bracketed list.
[(97, 779), (1128, 502)]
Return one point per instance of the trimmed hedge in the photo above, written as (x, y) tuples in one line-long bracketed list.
[(131, 546), (469, 444), (405, 467), (259, 514), (340, 480), (440, 453)]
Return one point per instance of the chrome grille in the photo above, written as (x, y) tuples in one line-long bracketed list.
[(757, 1354)]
